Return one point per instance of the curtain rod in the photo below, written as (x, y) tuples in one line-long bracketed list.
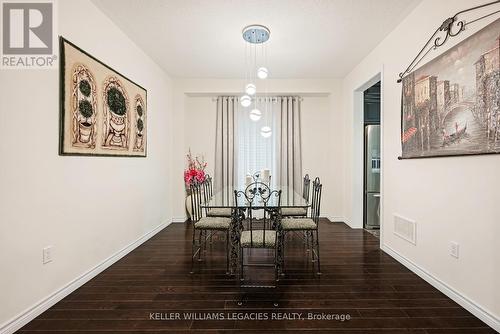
[(300, 98), (446, 28), (215, 94)]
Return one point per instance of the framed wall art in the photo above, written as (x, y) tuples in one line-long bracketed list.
[(102, 113), (451, 105)]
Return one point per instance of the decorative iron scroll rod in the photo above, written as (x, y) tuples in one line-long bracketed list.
[(446, 28)]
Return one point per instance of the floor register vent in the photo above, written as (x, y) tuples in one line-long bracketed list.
[(405, 228)]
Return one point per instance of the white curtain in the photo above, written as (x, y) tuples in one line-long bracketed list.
[(281, 153), (241, 149), (256, 152), (225, 149), (289, 143)]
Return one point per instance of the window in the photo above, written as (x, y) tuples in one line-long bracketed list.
[(255, 152)]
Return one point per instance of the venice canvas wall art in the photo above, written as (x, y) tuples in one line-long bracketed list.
[(102, 112), (451, 105)]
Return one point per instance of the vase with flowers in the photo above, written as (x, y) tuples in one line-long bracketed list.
[(194, 173)]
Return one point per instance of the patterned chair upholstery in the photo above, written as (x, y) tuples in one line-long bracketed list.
[(208, 193), (219, 212), (260, 233), (205, 226), (299, 212), (308, 225)]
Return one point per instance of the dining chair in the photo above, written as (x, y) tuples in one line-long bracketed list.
[(208, 193), (205, 226), (299, 212), (309, 225), (262, 233), (208, 186)]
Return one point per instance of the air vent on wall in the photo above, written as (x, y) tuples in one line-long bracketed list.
[(405, 228)]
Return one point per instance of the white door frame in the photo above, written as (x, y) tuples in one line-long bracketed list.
[(358, 151)]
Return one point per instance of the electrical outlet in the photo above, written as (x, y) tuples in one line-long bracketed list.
[(454, 249), (47, 254)]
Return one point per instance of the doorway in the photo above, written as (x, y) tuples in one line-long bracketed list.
[(358, 138), (371, 158)]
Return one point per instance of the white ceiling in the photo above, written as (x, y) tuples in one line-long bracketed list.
[(309, 38)]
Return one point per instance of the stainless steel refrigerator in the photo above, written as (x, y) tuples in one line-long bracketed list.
[(372, 176)]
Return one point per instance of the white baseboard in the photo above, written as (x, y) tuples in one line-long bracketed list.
[(468, 304), (336, 219), (342, 219), (352, 225), (179, 219), (34, 311)]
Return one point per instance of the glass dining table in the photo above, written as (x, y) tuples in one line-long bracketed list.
[(225, 198)]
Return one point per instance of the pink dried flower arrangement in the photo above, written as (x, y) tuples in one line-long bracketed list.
[(195, 172)]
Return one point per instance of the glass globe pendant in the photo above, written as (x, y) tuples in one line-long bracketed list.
[(255, 115), (245, 101), (250, 89), (262, 73), (266, 132)]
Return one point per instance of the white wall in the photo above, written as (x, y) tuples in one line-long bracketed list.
[(87, 208), (321, 130), (452, 199)]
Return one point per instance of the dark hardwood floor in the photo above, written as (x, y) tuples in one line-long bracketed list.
[(379, 295)]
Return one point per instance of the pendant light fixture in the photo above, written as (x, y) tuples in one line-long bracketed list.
[(266, 132), (250, 89), (255, 115), (246, 101), (255, 36), (262, 72)]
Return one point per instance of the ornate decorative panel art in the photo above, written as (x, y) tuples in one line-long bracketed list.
[(102, 112)]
